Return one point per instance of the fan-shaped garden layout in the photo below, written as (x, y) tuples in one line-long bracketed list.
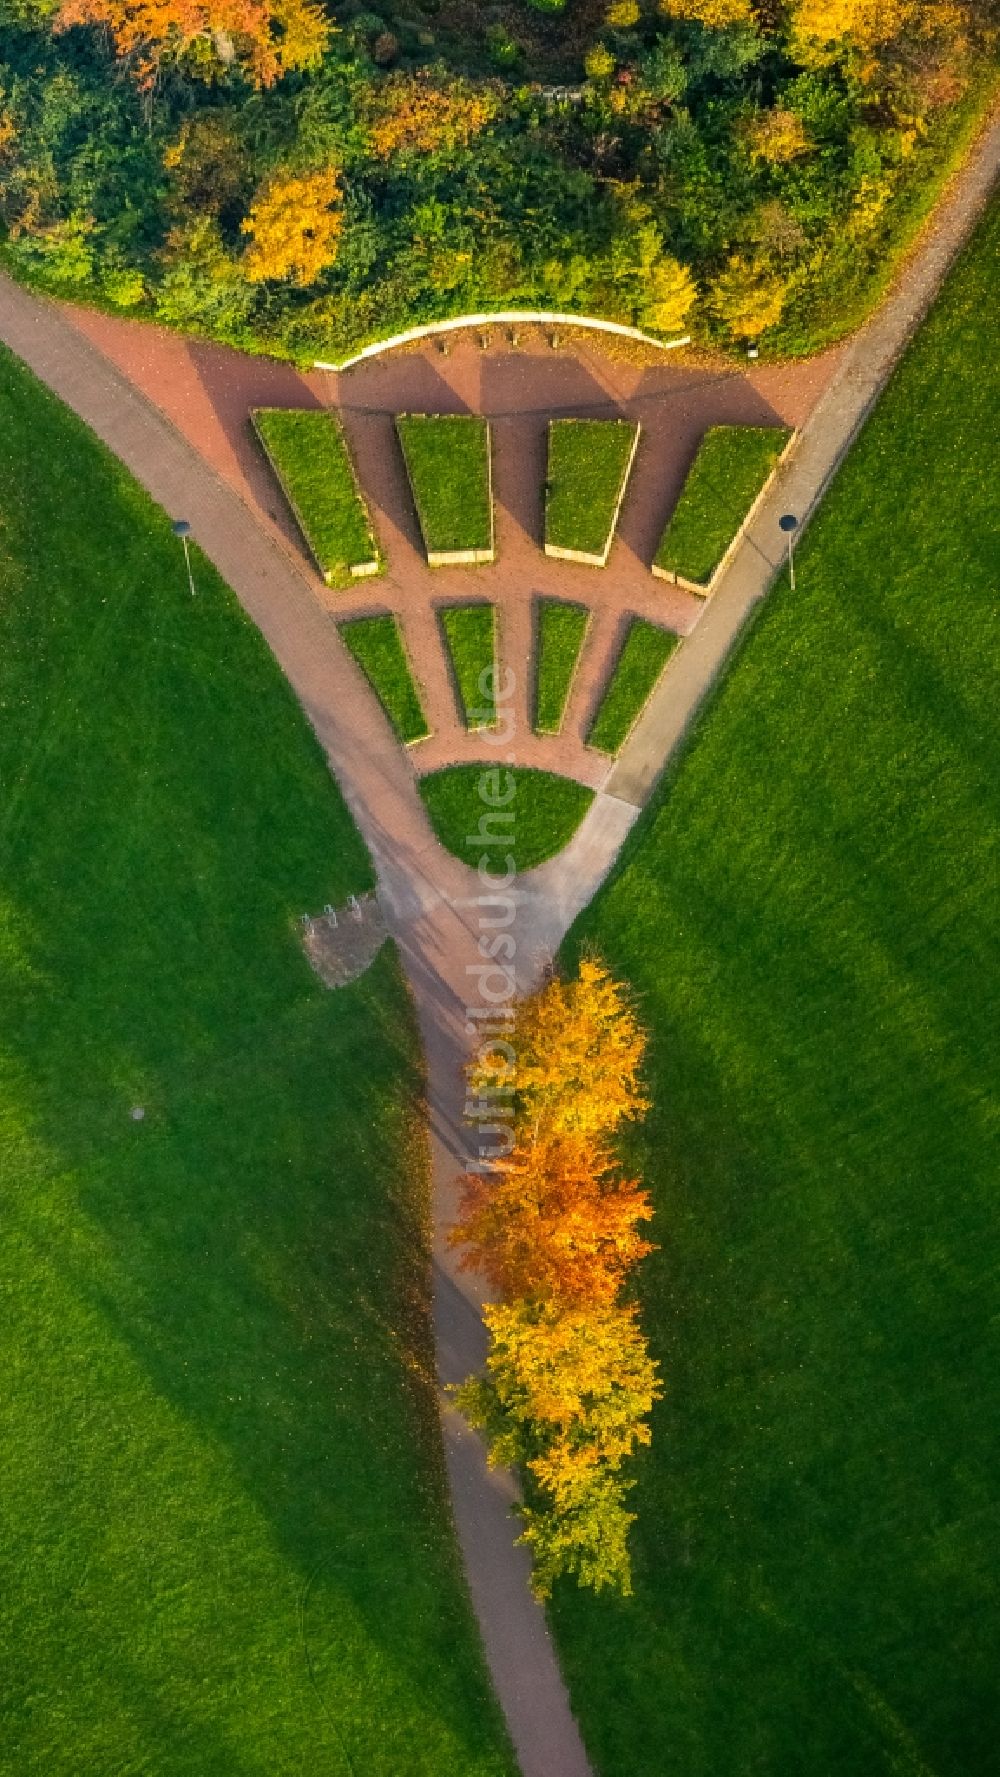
[(247, 1529)]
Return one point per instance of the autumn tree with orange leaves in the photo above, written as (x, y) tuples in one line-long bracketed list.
[(554, 1219), (412, 114), (263, 38), (555, 1228)]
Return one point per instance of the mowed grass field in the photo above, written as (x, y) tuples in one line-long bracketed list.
[(810, 919), (226, 1550)]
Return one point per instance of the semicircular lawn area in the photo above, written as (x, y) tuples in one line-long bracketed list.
[(534, 812)]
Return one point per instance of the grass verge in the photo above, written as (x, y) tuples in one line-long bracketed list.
[(470, 632), (645, 652), (536, 812), (447, 460), (377, 645), (227, 1546), (588, 465), (809, 917), (730, 468), (308, 453), (559, 638)]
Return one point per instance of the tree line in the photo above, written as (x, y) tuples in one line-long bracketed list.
[(270, 173), (555, 1226)]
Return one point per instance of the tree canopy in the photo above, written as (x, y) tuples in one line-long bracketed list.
[(554, 1227), (738, 169)]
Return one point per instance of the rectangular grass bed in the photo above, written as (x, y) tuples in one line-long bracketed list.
[(308, 452), (588, 468), (561, 629), (377, 645), (470, 634), (640, 663), (731, 467), (447, 460)]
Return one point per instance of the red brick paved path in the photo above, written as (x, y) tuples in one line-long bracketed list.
[(208, 392)]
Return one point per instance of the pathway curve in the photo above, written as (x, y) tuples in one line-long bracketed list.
[(432, 901)]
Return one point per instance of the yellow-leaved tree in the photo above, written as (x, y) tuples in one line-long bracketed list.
[(670, 295), (820, 27), (414, 114), (716, 13), (294, 226), (777, 136), (623, 14), (658, 289), (578, 1051), (912, 46), (748, 298), (555, 1227), (566, 1395)]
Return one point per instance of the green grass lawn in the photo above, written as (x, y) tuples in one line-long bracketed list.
[(470, 633), (226, 1547), (448, 462), (377, 645), (728, 472), (810, 917), (309, 454), (588, 462), (644, 654), (560, 629), (545, 810)]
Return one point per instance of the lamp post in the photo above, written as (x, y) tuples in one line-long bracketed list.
[(789, 524), (182, 529)]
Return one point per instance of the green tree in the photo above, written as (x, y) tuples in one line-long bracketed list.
[(567, 1394)]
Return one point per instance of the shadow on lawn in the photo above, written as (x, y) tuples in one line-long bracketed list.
[(274, 1290)]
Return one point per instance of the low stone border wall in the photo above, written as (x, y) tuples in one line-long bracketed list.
[(704, 591), (459, 558), (502, 317), (576, 555)]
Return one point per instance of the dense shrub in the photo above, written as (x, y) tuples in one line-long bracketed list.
[(711, 160)]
